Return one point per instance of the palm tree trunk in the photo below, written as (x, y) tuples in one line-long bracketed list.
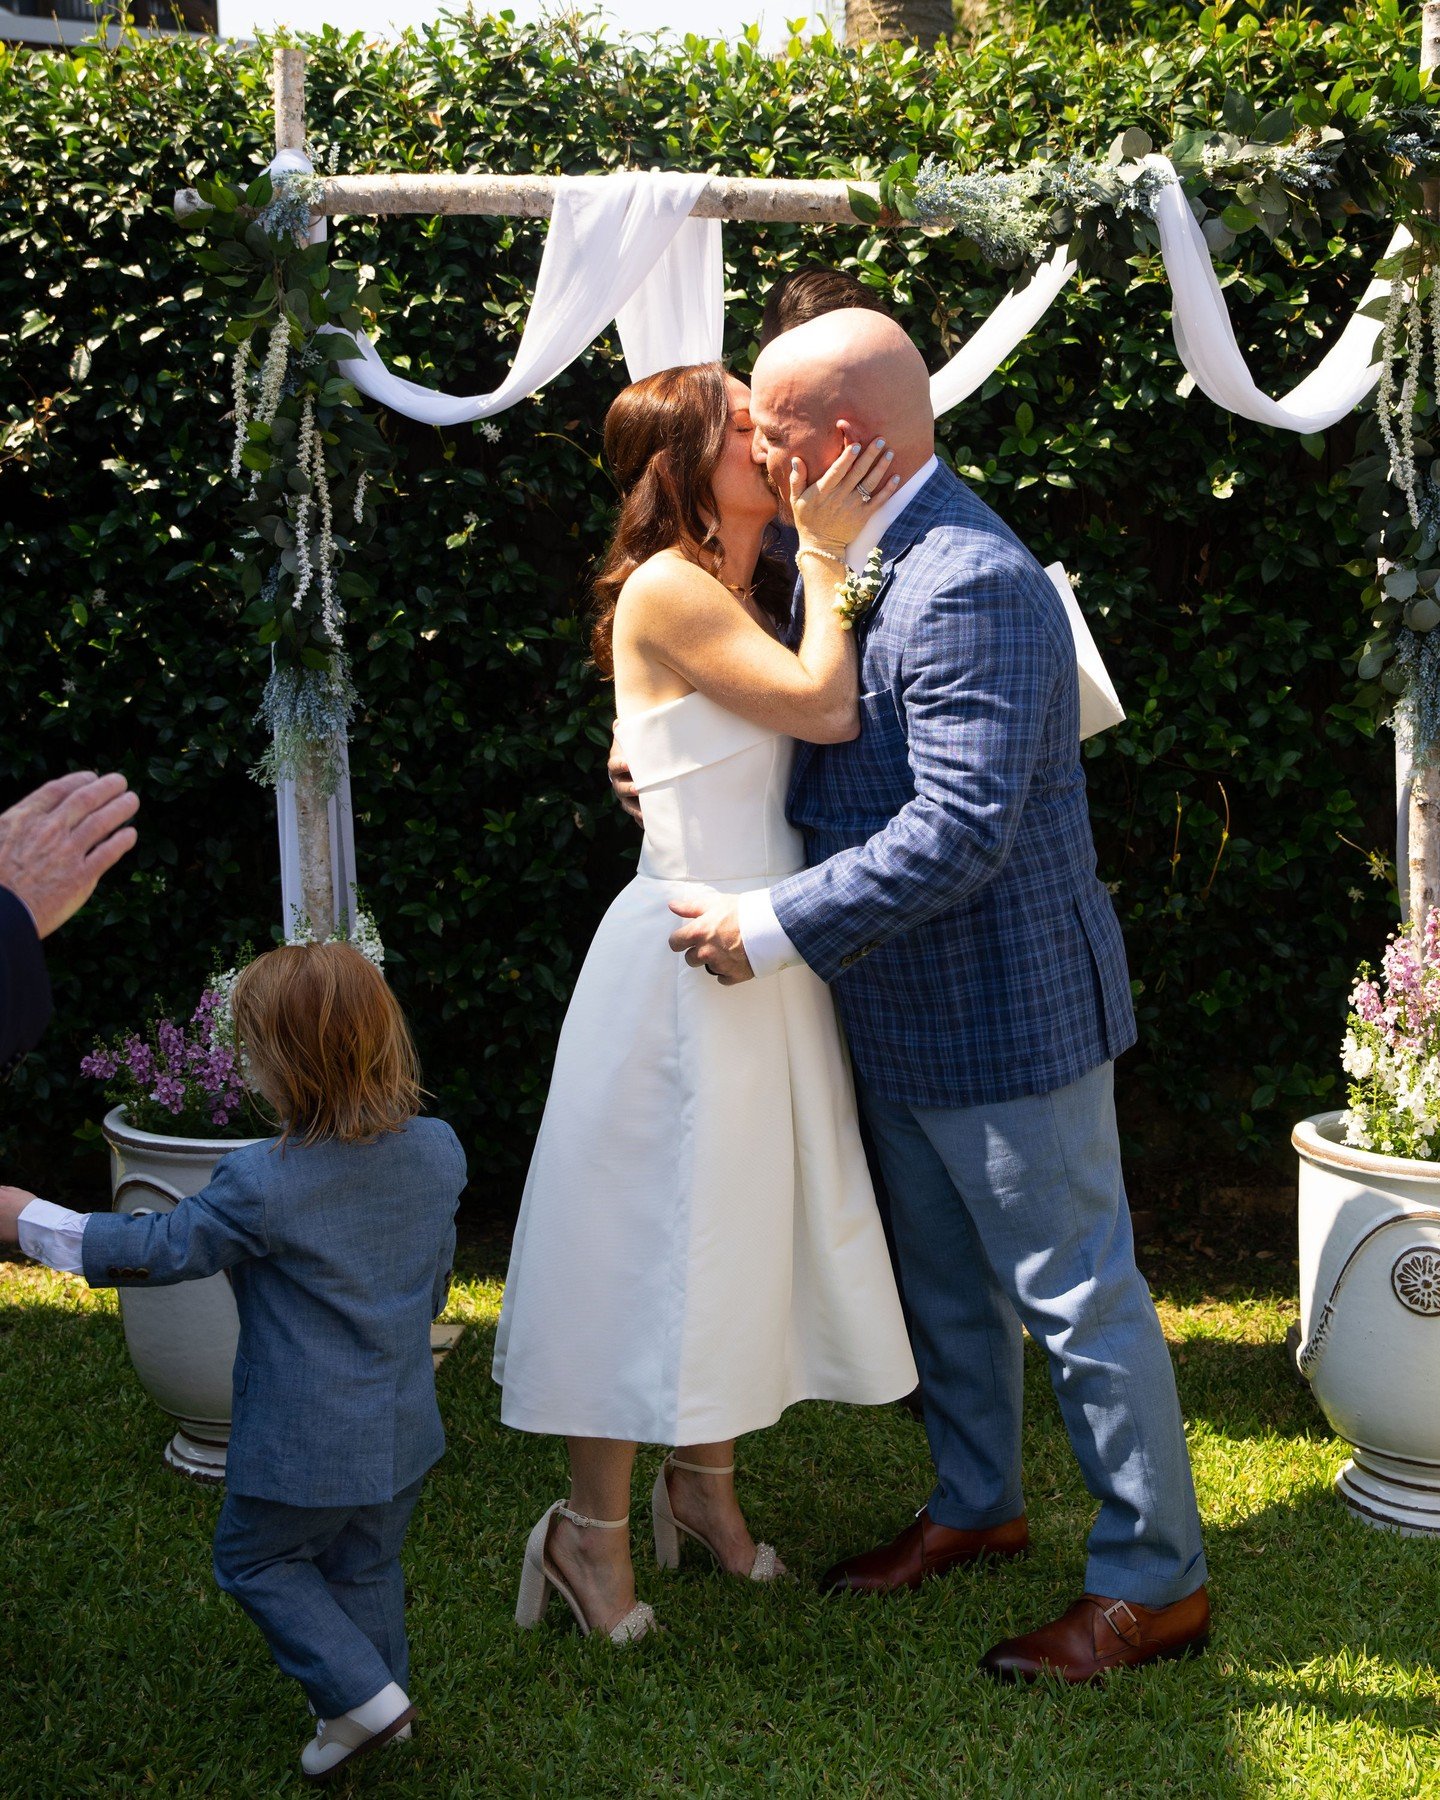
[(878, 21)]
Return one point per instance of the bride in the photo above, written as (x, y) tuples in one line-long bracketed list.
[(698, 1246)]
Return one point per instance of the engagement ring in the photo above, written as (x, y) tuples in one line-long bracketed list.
[(864, 492)]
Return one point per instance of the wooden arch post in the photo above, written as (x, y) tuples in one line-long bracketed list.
[(1417, 861)]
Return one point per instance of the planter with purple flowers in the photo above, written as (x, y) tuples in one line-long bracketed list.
[(1370, 1242), (179, 1107)]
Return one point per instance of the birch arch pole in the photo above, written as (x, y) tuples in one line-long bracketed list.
[(1417, 860)]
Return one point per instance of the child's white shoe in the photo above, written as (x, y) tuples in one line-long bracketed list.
[(367, 1727)]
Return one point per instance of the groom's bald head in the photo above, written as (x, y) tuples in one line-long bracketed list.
[(852, 366)]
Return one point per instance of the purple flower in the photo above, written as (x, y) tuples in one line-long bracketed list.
[(100, 1065), (139, 1060), (169, 1093), (171, 1040)]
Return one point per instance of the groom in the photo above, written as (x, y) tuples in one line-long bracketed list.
[(952, 900)]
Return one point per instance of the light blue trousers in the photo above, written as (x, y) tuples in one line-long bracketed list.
[(324, 1585), (1012, 1213)]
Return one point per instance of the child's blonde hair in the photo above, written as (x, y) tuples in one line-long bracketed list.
[(327, 1043)]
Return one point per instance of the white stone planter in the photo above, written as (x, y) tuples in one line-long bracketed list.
[(1370, 1319), (181, 1339)]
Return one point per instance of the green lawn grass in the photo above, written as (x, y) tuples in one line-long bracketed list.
[(123, 1670)]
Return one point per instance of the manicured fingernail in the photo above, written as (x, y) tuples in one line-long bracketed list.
[(879, 443), (889, 456), (855, 449)]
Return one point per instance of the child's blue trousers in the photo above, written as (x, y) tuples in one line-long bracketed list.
[(324, 1585)]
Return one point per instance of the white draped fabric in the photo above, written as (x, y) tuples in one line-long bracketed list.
[(1205, 336), (1001, 331), (620, 247)]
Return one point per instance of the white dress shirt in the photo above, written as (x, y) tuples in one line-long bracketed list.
[(762, 936), (52, 1235)]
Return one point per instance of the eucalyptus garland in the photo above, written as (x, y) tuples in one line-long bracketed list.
[(306, 455)]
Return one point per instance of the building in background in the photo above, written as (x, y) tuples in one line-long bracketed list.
[(49, 23)]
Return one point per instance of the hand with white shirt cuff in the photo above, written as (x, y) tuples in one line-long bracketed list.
[(13, 1202), (725, 933), (764, 938), (45, 1233)]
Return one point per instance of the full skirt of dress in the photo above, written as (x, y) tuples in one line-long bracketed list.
[(699, 1245)]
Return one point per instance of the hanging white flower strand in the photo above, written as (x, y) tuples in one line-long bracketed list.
[(303, 458), (240, 386), (360, 496), (1396, 412), (272, 374), (320, 485)]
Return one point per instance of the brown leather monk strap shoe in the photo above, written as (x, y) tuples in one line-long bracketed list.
[(922, 1550), (1098, 1634)]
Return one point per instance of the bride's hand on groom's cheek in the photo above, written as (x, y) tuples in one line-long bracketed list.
[(710, 939), (833, 509)]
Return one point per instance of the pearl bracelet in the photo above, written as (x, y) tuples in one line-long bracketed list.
[(814, 550)]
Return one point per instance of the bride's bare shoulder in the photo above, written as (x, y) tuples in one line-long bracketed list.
[(664, 581)]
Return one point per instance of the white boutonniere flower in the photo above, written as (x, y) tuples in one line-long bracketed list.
[(858, 591)]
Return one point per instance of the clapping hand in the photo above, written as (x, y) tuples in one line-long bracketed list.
[(56, 843), (13, 1202)]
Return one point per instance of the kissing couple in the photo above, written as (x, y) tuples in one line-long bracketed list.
[(871, 790)]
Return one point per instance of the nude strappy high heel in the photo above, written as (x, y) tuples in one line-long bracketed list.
[(538, 1575), (767, 1565)]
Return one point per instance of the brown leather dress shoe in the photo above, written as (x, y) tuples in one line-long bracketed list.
[(1098, 1634), (922, 1550)]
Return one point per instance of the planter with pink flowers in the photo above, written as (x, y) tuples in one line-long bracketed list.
[(1370, 1243)]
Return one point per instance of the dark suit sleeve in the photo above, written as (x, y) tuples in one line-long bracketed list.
[(445, 1262), (978, 686), (221, 1225), (25, 1005)]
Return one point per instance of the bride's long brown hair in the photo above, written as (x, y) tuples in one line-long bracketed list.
[(664, 437)]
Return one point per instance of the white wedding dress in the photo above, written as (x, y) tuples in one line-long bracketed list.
[(698, 1246)]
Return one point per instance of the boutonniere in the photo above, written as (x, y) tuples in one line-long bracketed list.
[(858, 590)]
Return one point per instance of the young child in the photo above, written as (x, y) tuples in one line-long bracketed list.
[(338, 1237)]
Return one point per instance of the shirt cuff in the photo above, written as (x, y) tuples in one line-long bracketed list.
[(52, 1235), (766, 945), (29, 910)]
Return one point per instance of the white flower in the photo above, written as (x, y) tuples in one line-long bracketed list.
[(303, 459), (1357, 1059), (1355, 893), (1356, 1134), (272, 373), (239, 381), (490, 433)]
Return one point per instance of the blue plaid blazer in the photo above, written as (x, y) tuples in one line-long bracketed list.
[(951, 896)]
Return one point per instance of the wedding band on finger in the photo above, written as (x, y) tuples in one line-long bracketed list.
[(864, 492)]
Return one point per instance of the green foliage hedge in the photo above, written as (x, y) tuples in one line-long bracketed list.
[(1207, 550)]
